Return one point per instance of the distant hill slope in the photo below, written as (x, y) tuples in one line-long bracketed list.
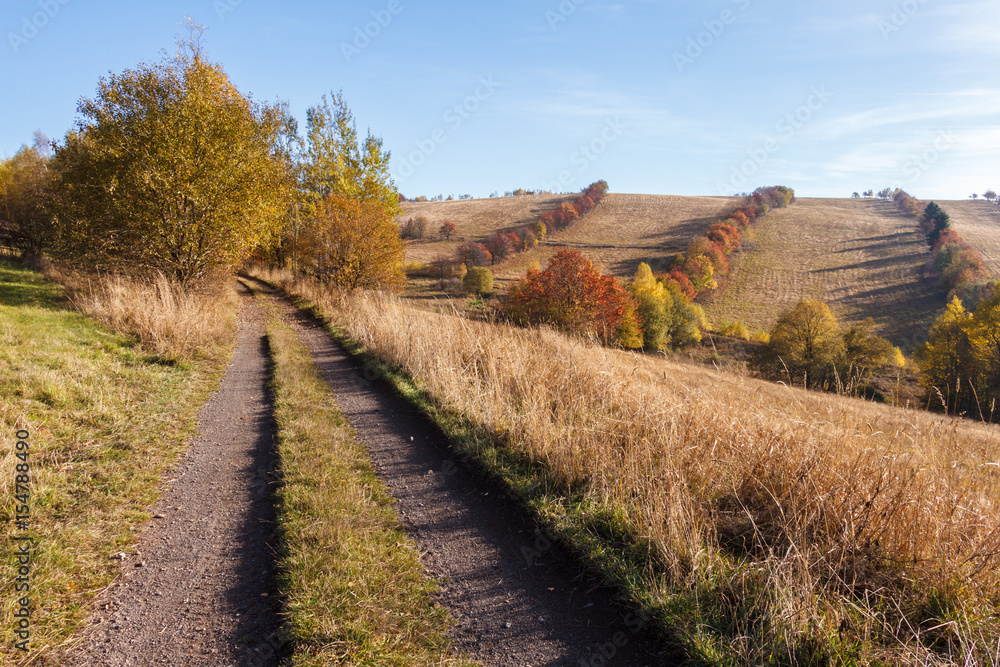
[(978, 222), (475, 219), (623, 231), (861, 256)]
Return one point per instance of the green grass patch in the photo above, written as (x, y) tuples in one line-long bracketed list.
[(105, 422), (353, 585)]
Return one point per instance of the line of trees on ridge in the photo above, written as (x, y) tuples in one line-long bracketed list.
[(502, 245)]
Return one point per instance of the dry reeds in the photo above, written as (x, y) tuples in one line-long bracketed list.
[(167, 319)]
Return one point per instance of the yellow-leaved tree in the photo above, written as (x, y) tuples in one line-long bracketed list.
[(171, 169), (25, 194), (666, 318), (352, 244)]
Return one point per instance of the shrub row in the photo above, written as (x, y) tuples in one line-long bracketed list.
[(694, 271), (502, 245), (958, 267)]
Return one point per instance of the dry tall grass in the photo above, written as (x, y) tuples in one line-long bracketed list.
[(782, 526), (167, 319)]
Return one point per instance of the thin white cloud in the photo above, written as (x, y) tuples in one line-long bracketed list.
[(950, 109)]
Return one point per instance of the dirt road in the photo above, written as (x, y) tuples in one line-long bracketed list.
[(518, 597), (199, 590)]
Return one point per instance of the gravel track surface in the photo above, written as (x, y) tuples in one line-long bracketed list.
[(199, 589)]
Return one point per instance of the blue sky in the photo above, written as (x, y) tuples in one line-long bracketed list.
[(687, 98)]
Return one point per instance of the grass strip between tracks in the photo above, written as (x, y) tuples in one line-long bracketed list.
[(352, 581)]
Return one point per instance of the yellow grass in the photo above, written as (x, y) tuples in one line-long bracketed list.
[(167, 319), (778, 525)]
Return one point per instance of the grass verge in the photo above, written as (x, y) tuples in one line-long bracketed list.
[(354, 587), (106, 418)]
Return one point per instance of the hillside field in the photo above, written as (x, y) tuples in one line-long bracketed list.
[(978, 222), (861, 256)]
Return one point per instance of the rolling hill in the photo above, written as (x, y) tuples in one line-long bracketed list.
[(861, 256)]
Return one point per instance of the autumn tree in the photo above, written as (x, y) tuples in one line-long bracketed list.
[(26, 188), (946, 359), (864, 351), (571, 294), (473, 254), (447, 230), (935, 222), (502, 245), (478, 281), (171, 169), (807, 340), (414, 229), (665, 317), (354, 243), (960, 362), (566, 215), (539, 230), (337, 163), (989, 195)]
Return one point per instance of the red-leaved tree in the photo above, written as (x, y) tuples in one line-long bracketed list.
[(571, 294)]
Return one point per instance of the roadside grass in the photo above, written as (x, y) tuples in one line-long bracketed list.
[(168, 320), (754, 523), (353, 584), (107, 418)]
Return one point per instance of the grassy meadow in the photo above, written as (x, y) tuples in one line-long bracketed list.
[(757, 523), (107, 416), (861, 257)]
